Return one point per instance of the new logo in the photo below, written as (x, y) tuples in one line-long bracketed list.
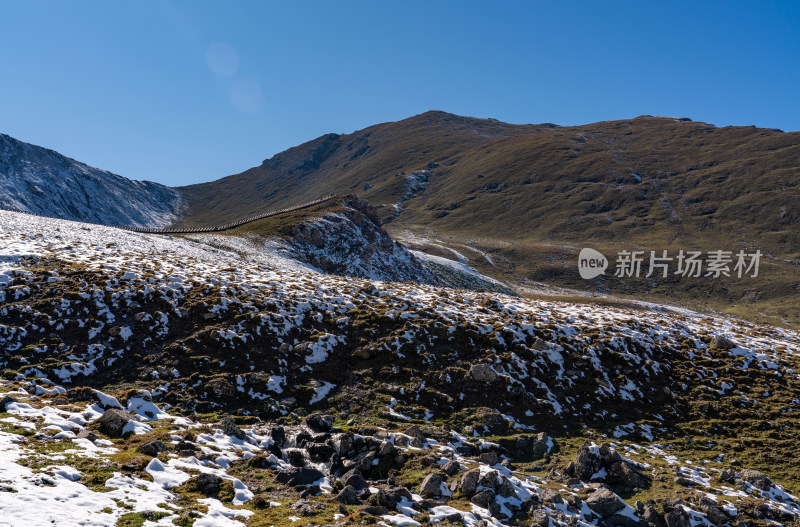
[(591, 263)]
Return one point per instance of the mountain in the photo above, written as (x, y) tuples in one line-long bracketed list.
[(41, 181), (649, 177), (519, 201), (157, 380)]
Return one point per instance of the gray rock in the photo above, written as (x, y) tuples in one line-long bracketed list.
[(551, 496), (722, 342), (229, 427), (278, 435), (452, 468), (627, 475), (295, 457), (469, 482), (587, 463), (540, 345), (355, 479), (431, 486), (756, 479), (320, 451), (319, 423), (604, 502), (506, 488), (714, 513), (387, 449), (483, 373), (389, 498), (484, 498), (677, 517), (619, 520), (539, 518), (375, 510), (539, 447), (85, 433), (152, 449), (348, 496), (298, 476), (112, 422), (490, 480), (489, 458)]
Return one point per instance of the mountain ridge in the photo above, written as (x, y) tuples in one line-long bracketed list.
[(42, 181)]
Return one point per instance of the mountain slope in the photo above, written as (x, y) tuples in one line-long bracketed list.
[(517, 393), (674, 179), (518, 202), (41, 181)]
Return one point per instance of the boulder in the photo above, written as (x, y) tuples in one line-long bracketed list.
[(354, 479), (506, 488), (208, 484), (152, 449), (278, 435), (587, 462), (756, 479), (677, 517), (296, 457), (727, 475), (540, 445), (298, 476), (431, 486), (112, 422), (320, 451), (348, 496), (375, 510), (551, 496), (714, 513), (469, 482), (319, 423), (627, 475), (492, 421), (722, 342), (484, 498), (452, 468), (490, 480), (229, 427), (483, 373), (85, 433), (389, 498), (387, 449), (489, 458), (604, 502)]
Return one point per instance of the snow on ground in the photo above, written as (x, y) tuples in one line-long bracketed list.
[(169, 267)]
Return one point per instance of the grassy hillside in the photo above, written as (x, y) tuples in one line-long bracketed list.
[(530, 196)]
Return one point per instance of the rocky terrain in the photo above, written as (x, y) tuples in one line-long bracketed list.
[(41, 181), (352, 242), (152, 380)]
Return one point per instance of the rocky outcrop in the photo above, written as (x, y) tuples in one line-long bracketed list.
[(353, 243), (604, 464)]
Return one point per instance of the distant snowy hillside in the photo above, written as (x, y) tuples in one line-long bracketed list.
[(42, 181)]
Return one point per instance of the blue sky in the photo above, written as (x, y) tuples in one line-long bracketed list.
[(181, 92)]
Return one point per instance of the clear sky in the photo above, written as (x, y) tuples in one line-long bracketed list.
[(181, 92)]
